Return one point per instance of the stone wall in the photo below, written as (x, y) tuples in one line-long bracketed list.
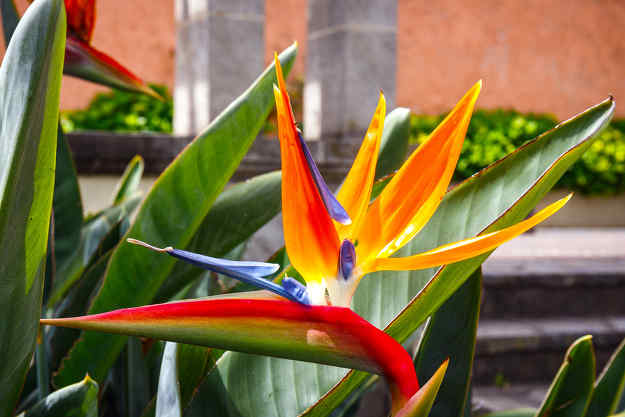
[(558, 56)]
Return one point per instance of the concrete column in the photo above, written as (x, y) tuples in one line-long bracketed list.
[(351, 56), (219, 52)]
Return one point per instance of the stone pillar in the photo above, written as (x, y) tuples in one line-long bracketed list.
[(351, 56), (219, 52)]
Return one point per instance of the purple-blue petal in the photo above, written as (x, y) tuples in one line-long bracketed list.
[(248, 272), (297, 289), (347, 259), (333, 207)]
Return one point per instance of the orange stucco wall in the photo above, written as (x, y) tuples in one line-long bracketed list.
[(558, 56)]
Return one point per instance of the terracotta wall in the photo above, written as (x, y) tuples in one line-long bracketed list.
[(558, 56), (555, 56)]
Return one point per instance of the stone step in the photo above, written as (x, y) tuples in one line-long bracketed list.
[(533, 287), (574, 272), (531, 351), (487, 399)]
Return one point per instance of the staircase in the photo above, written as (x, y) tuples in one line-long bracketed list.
[(542, 291)]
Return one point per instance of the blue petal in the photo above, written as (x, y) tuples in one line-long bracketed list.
[(261, 269), (248, 272), (334, 208), (242, 271), (347, 259), (297, 289)]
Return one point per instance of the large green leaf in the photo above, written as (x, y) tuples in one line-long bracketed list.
[(610, 386), (451, 333), (29, 105), (171, 214), (499, 196), (569, 394), (237, 213), (76, 400)]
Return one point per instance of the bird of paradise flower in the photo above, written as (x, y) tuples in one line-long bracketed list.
[(333, 242)]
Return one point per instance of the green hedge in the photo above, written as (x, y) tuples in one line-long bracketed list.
[(494, 134), (119, 111)]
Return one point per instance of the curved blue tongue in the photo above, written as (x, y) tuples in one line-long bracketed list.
[(248, 272)]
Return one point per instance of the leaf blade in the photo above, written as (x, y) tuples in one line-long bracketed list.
[(570, 391), (451, 333), (29, 102), (76, 400)]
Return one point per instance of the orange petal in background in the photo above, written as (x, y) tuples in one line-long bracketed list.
[(310, 237), (414, 193), (467, 248), (355, 192)]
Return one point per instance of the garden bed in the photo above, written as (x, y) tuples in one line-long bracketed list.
[(102, 156)]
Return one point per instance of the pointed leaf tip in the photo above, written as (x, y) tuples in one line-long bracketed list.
[(420, 404)]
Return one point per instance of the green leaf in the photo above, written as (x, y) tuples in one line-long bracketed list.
[(76, 400), (67, 203), (29, 105), (394, 143), (234, 217), (171, 214), (139, 385), (129, 182), (498, 196), (86, 253), (570, 391), (168, 402), (193, 363), (451, 334), (610, 385), (10, 19)]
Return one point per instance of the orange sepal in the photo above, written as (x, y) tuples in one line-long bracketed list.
[(465, 249), (414, 193), (309, 234), (355, 192)]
